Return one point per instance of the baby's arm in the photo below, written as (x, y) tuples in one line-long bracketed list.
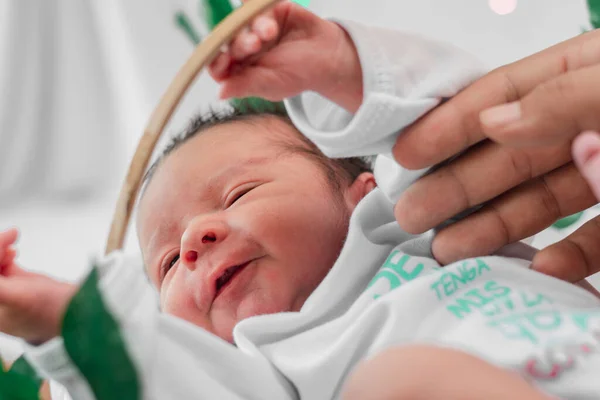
[(427, 372), (31, 305), (287, 51), (384, 80)]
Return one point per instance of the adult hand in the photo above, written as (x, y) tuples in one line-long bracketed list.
[(524, 176), (586, 154)]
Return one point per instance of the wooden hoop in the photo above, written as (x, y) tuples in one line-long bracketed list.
[(202, 56)]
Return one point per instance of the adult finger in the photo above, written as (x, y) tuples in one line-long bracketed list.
[(574, 258), (461, 184), (586, 154), (555, 111), (543, 200), (455, 125)]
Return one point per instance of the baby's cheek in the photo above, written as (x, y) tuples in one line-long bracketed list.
[(176, 301), (262, 304), (272, 291)]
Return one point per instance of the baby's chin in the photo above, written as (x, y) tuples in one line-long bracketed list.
[(224, 325)]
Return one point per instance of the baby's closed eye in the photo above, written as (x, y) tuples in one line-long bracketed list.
[(238, 193), (166, 266)]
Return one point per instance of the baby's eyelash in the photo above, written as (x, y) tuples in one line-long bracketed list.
[(164, 269), (174, 260), (238, 195)]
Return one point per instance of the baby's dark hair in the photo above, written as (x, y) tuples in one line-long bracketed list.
[(337, 170)]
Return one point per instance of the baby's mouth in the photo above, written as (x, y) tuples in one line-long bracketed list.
[(227, 278)]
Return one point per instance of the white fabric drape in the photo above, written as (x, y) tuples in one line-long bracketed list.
[(57, 123), (78, 80)]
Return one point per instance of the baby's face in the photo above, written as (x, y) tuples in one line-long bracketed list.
[(232, 226)]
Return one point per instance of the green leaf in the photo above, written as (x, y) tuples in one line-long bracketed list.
[(15, 386), (19, 383), (183, 22), (567, 221), (94, 343), (303, 3), (22, 367), (216, 11), (594, 8), (256, 104)]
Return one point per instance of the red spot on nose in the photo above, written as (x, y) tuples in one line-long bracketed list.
[(191, 256)]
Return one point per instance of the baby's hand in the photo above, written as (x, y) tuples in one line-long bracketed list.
[(286, 51), (31, 305)]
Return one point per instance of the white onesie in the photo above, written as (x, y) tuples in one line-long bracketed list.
[(384, 290)]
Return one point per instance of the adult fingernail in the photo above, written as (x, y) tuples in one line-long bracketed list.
[(502, 115)]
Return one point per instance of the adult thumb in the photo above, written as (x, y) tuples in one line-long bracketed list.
[(553, 112)]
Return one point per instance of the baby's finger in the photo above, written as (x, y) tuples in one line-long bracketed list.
[(265, 27), (245, 44), (586, 154), (8, 259), (219, 68), (11, 269), (8, 237), (243, 83), (258, 81)]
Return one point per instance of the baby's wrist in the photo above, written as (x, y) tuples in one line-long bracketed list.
[(341, 79), (38, 341)]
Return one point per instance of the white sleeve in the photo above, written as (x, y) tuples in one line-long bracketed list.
[(52, 362), (404, 76), (131, 301)]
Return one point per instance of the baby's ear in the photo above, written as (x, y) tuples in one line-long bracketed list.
[(358, 189)]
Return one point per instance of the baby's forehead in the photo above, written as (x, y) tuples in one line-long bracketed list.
[(245, 137), (251, 142), (206, 152)]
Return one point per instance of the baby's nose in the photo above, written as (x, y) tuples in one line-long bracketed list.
[(200, 235)]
